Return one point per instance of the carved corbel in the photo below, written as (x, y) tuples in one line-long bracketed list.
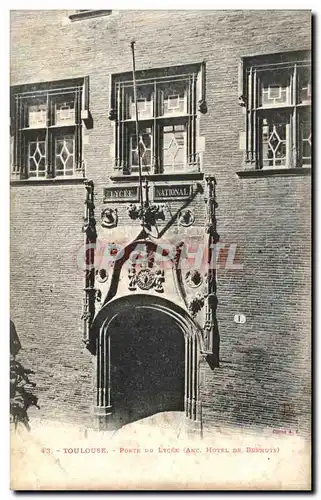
[(202, 106), (112, 114), (242, 100)]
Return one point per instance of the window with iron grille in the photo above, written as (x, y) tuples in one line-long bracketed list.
[(278, 111), (167, 104), (47, 130)]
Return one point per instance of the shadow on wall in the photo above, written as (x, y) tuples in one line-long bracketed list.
[(21, 397)]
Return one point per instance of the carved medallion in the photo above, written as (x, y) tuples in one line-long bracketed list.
[(193, 278), (186, 218), (109, 217), (145, 279), (101, 275)]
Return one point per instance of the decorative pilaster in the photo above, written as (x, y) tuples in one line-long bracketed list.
[(210, 330), (90, 237)]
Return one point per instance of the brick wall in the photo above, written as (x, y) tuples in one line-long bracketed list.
[(263, 378)]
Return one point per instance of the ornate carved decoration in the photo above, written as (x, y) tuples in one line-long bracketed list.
[(146, 279), (112, 114), (133, 211), (196, 304), (109, 217), (89, 228), (242, 101), (210, 329), (101, 275), (159, 280), (149, 214), (132, 278), (202, 106), (98, 296), (193, 278), (186, 218)]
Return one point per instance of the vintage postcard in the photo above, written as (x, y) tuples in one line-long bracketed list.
[(160, 188)]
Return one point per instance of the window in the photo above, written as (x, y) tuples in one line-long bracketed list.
[(47, 130), (167, 112), (278, 111)]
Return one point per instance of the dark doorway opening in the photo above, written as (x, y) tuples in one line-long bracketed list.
[(147, 365)]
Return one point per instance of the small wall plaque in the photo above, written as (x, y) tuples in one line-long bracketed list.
[(240, 319)]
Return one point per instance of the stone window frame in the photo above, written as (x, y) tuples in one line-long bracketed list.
[(291, 64), (193, 76), (50, 130)]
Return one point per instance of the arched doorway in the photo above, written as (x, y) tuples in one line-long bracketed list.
[(147, 364), (147, 350)]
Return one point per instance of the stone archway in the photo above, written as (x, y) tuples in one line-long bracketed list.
[(147, 364), (147, 360)]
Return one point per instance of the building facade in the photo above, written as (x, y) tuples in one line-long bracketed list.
[(163, 263)]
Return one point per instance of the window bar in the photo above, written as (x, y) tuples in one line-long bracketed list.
[(24, 161), (22, 151), (126, 158), (247, 116), (77, 142), (190, 126), (193, 119), (255, 144), (294, 135), (188, 102), (17, 138), (249, 152), (156, 150), (191, 158), (118, 135), (122, 132), (48, 142)]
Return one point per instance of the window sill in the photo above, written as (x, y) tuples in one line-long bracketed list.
[(89, 14), (268, 172), (56, 180), (159, 177)]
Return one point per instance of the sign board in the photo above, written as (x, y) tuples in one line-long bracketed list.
[(172, 191), (121, 193)]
